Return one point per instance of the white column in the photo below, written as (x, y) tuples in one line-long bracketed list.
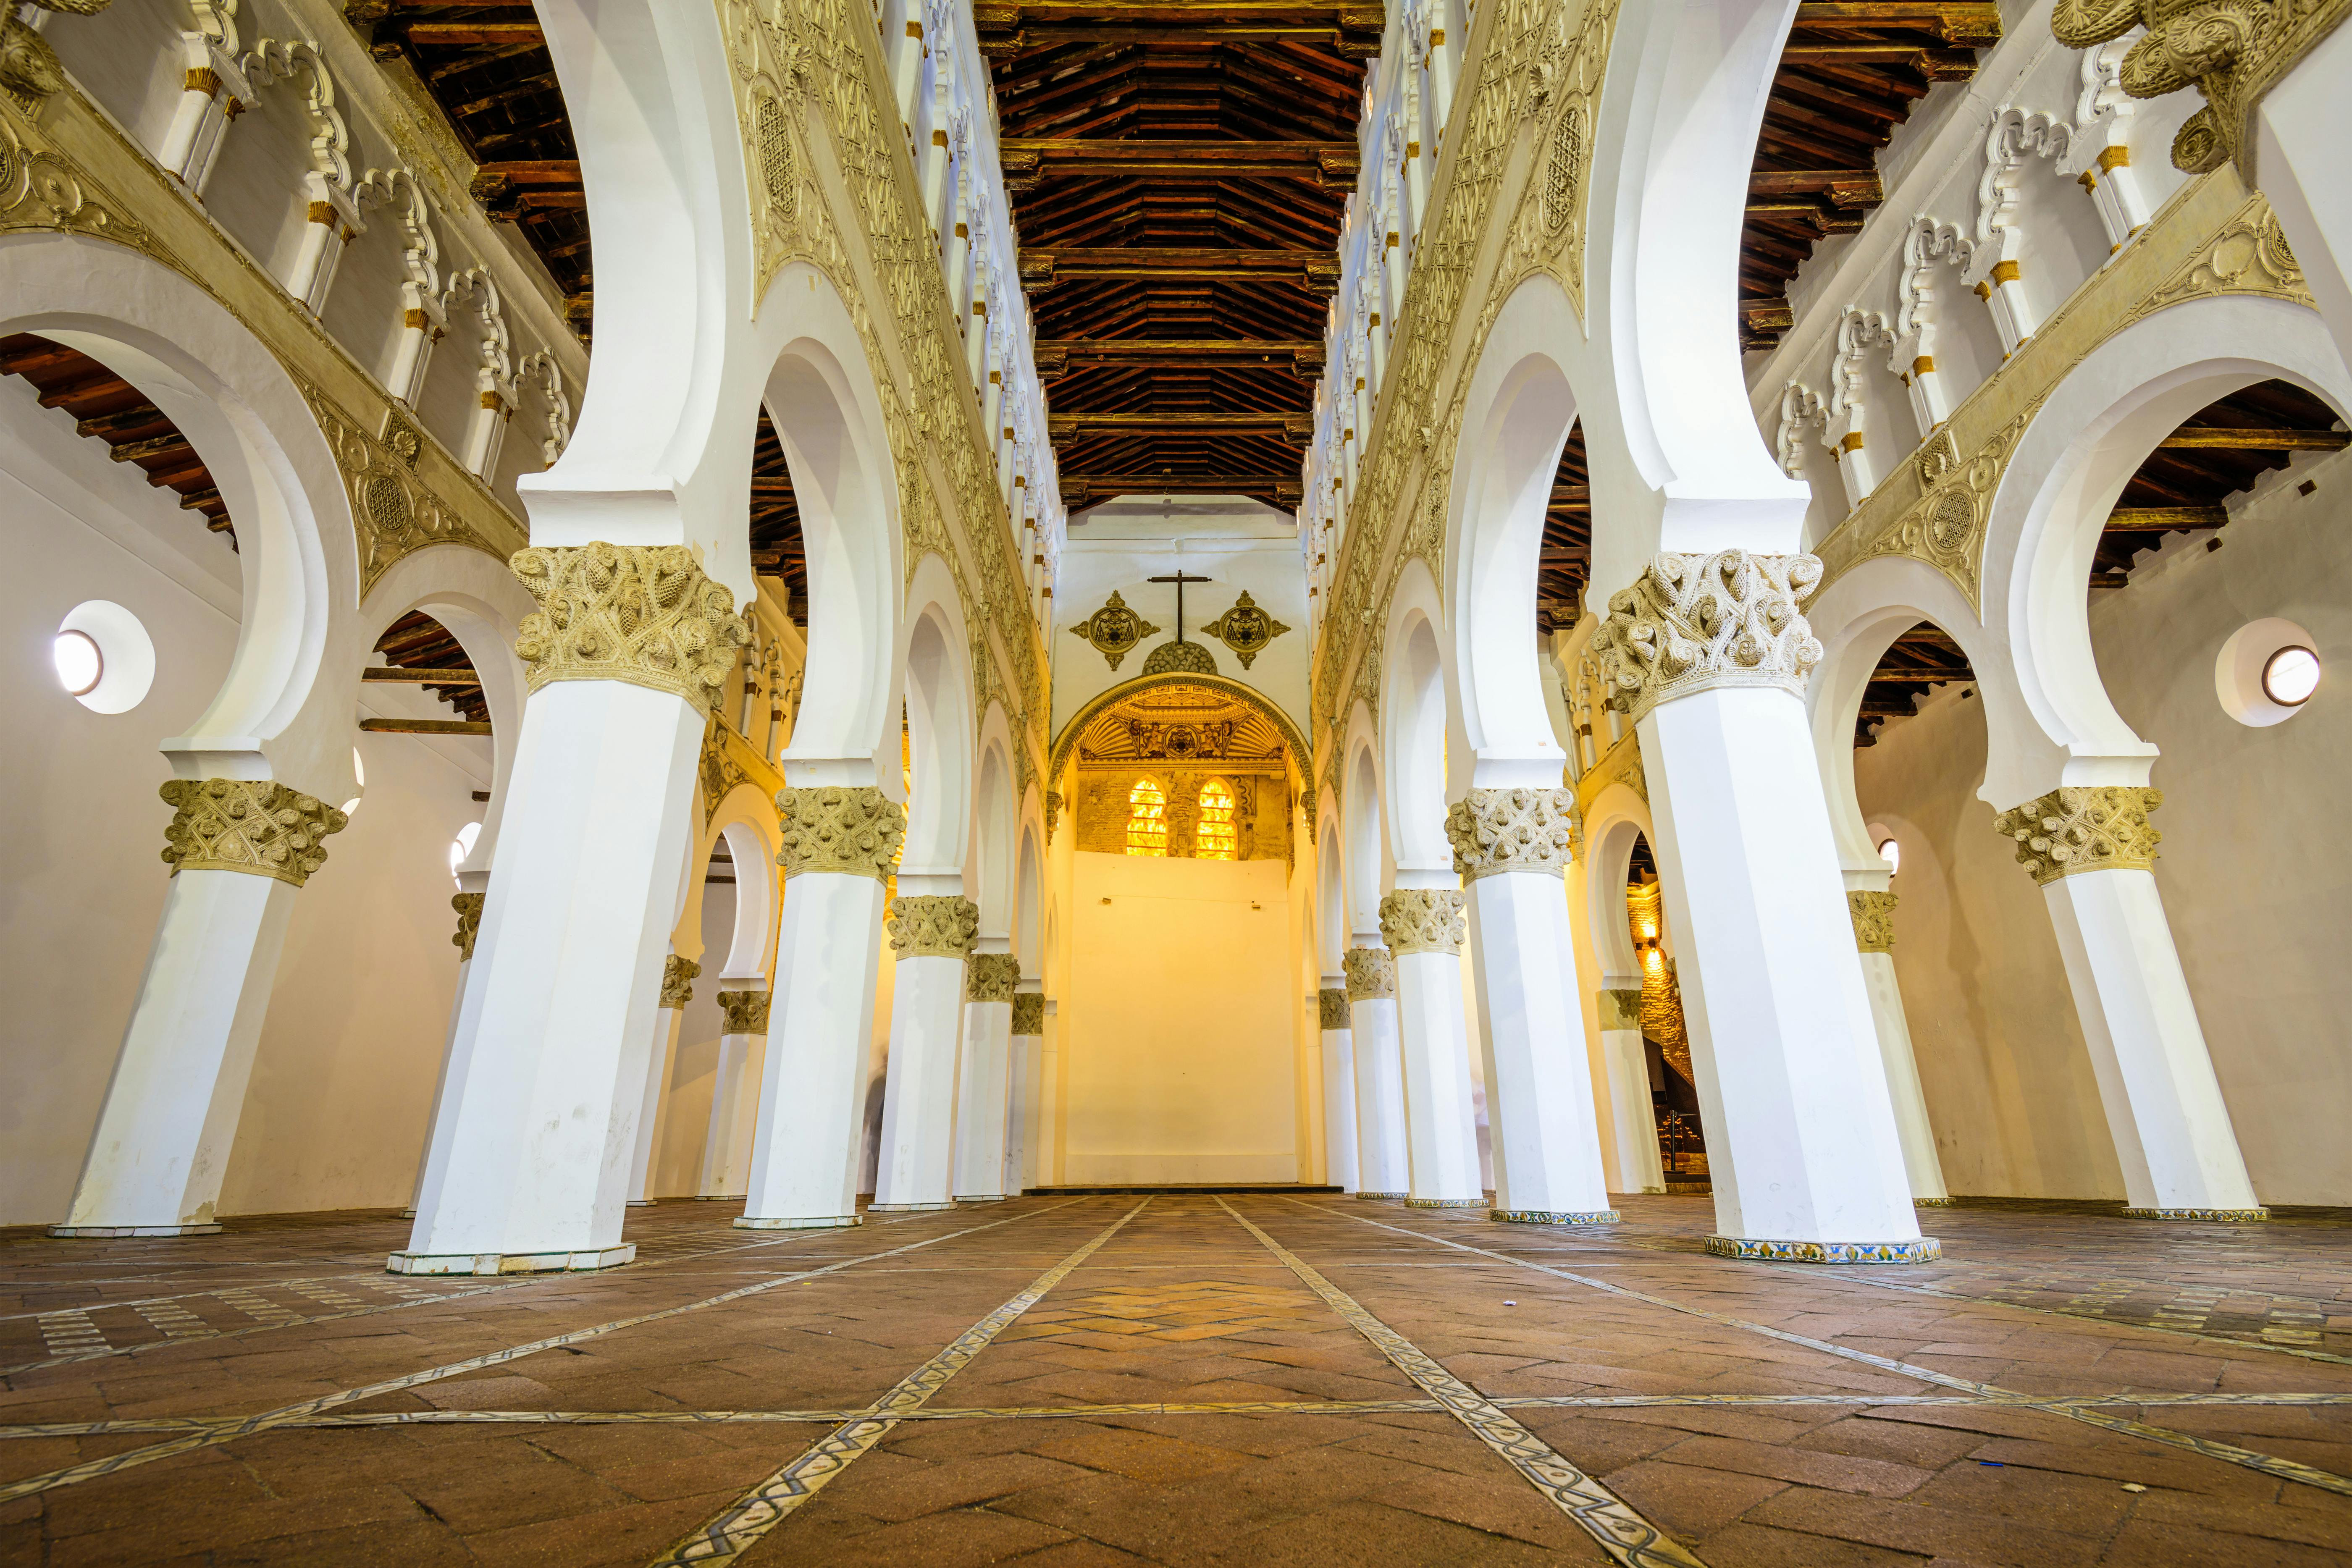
[(1020, 1154), (239, 849), (2090, 848), (726, 1174), (2300, 130), (1873, 911), (1338, 1084), (213, 87), (984, 1084), (677, 989), (1424, 930), (932, 934), (839, 843), (468, 907), (1709, 655), (546, 1078), (1631, 1113), (1381, 1163), (1512, 846)]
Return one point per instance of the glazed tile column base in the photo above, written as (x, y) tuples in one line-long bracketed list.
[(932, 934), (1633, 1117), (1338, 1087), (1381, 1167), (1423, 928)]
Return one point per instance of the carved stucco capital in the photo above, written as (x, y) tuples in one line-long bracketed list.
[(468, 907), (1620, 1010), (943, 926), (990, 976), (1873, 920), (1421, 920), (1331, 1008), (678, 980), (1693, 622), (2081, 828), (853, 832), (746, 1011), (1028, 1012), (1499, 831), (1371, 974), (253, 825), (641, 613)]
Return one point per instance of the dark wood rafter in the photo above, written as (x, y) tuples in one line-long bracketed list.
[(1178, 172), (109, 409), (1914, 664), (417, 642), (1565, 565), (1850, 73), (777, 549)]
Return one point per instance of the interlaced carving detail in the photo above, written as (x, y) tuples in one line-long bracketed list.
[(468, 907), (641, 613), (2077, 828), (678, 980), (746, 1011), (990, 976), (1421, 920), (1499, 831), (1693, 622), (1028, 1012), (941, 925), (254, 825), (1371, 974), (848, 829), (1331, 1008), (1873, 920)]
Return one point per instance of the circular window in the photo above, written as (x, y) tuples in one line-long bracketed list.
[(1891, 852), (103, 657), (2266, 672), (359, 778), (461, 846)]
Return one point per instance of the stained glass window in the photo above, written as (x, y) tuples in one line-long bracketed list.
[(1214, 839), (1147, 819)]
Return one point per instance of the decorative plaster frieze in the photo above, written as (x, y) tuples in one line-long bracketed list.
[(1421, 920), (1332, 1009), (746, 1012), (1499, 831), (1371, 974), (990, 976), (253, 825), (678, 980), (1692, 623), (1029, 1012), (1873, 920), (942, 925), (2078, 828), (846, 831), (468, 907), (641, 613)]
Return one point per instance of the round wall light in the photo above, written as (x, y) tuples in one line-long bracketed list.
[(2266, 672), (103, 657)]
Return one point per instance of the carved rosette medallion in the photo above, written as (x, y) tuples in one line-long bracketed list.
[(1499, 831), (746, 1011), (1114, 630), (1245, 629), (678, 980), (253, 825), (1873, 920), (2076, 828), (933, 926), (1422, 920), (468, 907), (845, 830), (1690, 623), (990, 976), (641, 613), (1620, 1010), (1331, 1008), (1028, 1012), (1371, 974)]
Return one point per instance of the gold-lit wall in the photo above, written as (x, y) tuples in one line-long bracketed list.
[(1261, 808)]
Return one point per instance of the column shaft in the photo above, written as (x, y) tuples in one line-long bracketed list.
[(983, 1090), (918, 1103), (726, 1147), (1340, 1135), (1920, 1162), (1633, 1115), (1381, 1168), (1441, 1149), (660, 1052)]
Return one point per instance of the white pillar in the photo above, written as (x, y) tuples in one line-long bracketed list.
[(1338, 1085), (932, 934), (1873, 911), (727, 1145), (1028, 1073), (239, 849), (1381, 1163), (984, 1083), (1512, 846), (213, 88), (2301, 128), (468, 907), (1708, 654), (1424, 930), (545, 1081), (839, 843), (2091, 849), (677, 989), (1631, 1113)]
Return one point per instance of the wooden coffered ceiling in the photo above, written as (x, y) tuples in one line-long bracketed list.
[(108, 409), (1177, 173)]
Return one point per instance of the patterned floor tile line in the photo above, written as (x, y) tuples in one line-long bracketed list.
[(149, 1301), (2268, 1464), (1624, 1534), (286, 1415), (742, 1524)]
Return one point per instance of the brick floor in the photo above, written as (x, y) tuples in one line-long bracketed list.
[(2066, 1386)]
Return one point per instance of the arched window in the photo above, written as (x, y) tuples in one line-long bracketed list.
[(1147, 819), (1216, 839)]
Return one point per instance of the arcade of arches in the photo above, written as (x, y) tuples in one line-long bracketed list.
[(1146, 781)]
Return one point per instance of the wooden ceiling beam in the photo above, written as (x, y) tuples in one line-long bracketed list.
[(2151, 519), (456, 34), (421, 678), (1057, 355), (2220, 438), (1331, 165), (1045, 266), (1289, 426), (1967, 24)]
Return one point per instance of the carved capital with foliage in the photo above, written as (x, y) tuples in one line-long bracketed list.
[(254, 825), (1371, 974), (468, 907), (1499, 830), (1422, 920), (678, 980), (1331, 1008), (1620, 1010), (2076, 828), (1693, 622), (1028, 1012), (990, 976), (933, 926), (846, 831), (1873, 920), (746, 1011), (641, 613)]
